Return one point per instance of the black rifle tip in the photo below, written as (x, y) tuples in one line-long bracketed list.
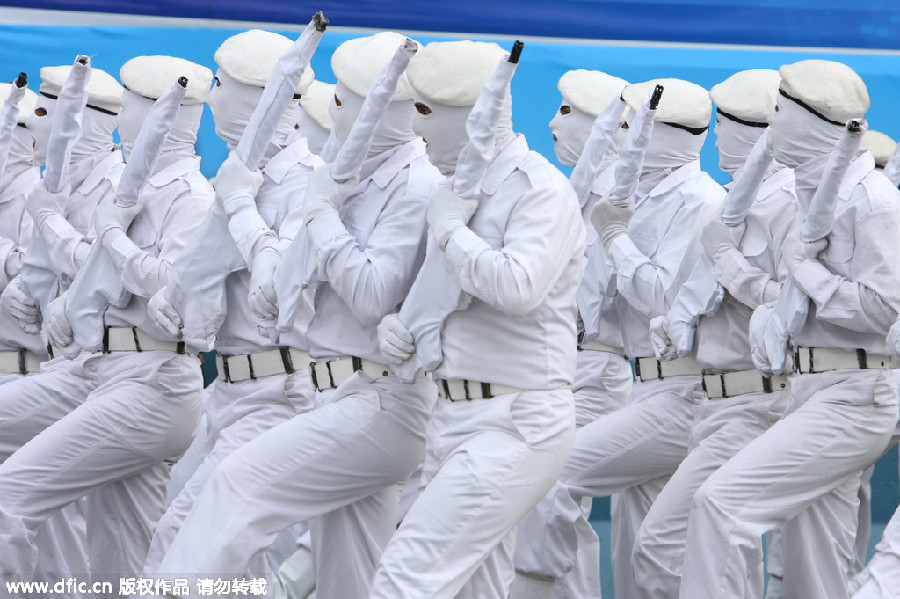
[(320, 21), (516, 51), (655, 98), (183, 81), (22, 80)]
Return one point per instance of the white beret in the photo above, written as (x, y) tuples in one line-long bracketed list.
[(831, 89), (316, 101), (104, 92), (152, 76), (454, 73), (590, 91), (747, 95), (358, 62), (26, 103), (249, 58), (682, 103), (881, 146)]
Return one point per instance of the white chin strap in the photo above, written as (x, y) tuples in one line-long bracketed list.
[(571, 131), (734, 142)]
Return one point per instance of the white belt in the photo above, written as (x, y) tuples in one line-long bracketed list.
[(461, 389), (20, 361), (741, 382), (648, 369), (811, 360), (124, 339), (234, 369), (331, 374), (600, 346)]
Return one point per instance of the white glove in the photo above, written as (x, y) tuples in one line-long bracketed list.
[(717, 238), (324, 194), (109, 217), (236, 186), (163, 313), (659, 339), (610, 221), (263, 300), (22, 307), (794, 251), (761, 337), (893, 339), (41, 203), (447, 213), (56, 324), (395, 341)]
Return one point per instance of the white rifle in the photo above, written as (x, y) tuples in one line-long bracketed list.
[(706, 293), (211, 254), (297, 274), (98, 284), (792, 307), (423, 312), (39, 278)]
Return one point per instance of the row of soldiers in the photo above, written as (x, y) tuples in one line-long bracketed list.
[(434, 349)]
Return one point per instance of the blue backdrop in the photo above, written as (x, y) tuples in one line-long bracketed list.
[(815, 23), (535, 97)]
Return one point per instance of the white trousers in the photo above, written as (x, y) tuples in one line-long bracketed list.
[(28, 405), (487, 463), (342, 462), (636, 449), (884, 569), (803, 473), (603, 384), (724, 427), (236, 413), (114, 445)]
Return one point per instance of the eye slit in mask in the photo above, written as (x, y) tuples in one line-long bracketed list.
[(422, 108), (218, 82), (564, 110), (625, 125), (40, 111), (337, 101)]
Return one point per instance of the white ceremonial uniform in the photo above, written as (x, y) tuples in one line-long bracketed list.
[(751, 274), (141, 411), (603, 376), (31, 404), (239, 408), (339, 466), (15, 234), (488, 461), (804, 471), (633, 450)]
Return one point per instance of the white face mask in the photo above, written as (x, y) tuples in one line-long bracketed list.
[(316, 135), (394, 128), (571, 129), (671, 147), (798, 135), (96, 134), (734, 142), (444, 130), (232, 103), (40, 125), (182, 136)]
